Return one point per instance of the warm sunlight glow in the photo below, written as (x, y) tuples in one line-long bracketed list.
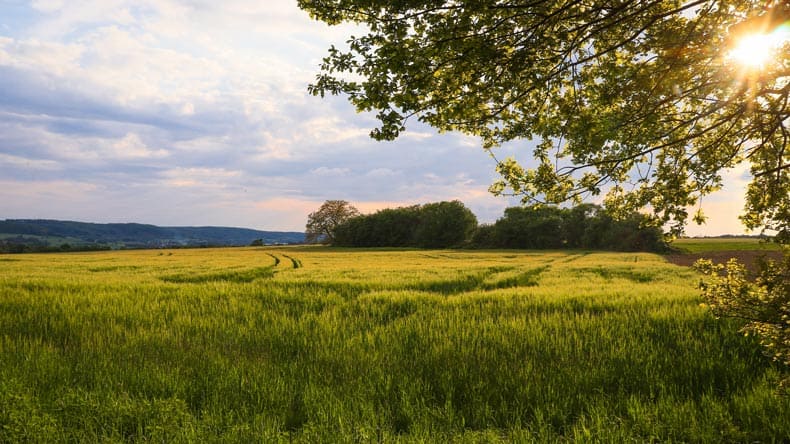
[(755, 50)]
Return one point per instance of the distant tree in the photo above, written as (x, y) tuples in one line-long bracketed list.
[(394, 227), (444, 224), (433, 225), (576, 223), (321, 224), (354, 232), (390, 227), (530, 227), (585, 226), (484, 237), (634, 232), (257, 243)]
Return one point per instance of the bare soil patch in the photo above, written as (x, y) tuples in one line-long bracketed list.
[(746, 257)]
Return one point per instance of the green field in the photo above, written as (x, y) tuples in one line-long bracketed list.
[(713, 244), (321, 345)]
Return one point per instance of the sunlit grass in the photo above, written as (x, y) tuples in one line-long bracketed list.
[(322, 345), (704, 245)]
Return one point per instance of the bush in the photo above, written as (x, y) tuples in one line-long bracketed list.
[(764, 303)]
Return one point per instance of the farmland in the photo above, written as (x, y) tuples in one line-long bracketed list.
[(331, 345), (705, 245)]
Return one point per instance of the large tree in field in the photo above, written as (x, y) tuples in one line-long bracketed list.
[(645, 102), (321, 224)]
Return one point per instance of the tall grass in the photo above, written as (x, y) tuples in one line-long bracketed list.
[(319, 345)]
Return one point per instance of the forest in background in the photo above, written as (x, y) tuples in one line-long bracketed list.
[(451, 225)]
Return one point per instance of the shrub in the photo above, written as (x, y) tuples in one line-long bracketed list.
[(764, 303)]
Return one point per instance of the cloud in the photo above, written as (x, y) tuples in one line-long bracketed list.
[(132, 147), (198, 177), (324, 171), (381, 173), (15, 162)]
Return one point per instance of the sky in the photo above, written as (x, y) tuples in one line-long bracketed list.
[(196, 112)]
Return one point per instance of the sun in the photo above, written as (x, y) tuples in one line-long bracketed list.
[(754, 51)]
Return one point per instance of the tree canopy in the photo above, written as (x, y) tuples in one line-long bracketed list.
[(432, 225), (642, 101), (453, 225), (322, 223), (586, 226)]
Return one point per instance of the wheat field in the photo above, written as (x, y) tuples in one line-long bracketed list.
[(329, 345)]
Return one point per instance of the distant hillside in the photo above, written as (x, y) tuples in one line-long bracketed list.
[(38, 234)]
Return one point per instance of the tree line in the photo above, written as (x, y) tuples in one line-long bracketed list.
[(453, 225)]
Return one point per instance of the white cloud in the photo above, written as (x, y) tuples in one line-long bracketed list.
[(199, 177), (325, 171), (47, 6), (381, 173), (132, 147), (188, 109), (330, 129), (33, 55), (28, 164)]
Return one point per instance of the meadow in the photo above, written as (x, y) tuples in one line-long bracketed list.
[(331, 345), (705, 245)]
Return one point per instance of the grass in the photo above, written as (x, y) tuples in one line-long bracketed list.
[(705, 245), (321, 345)]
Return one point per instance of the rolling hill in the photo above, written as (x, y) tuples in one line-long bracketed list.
[(43, 234)]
